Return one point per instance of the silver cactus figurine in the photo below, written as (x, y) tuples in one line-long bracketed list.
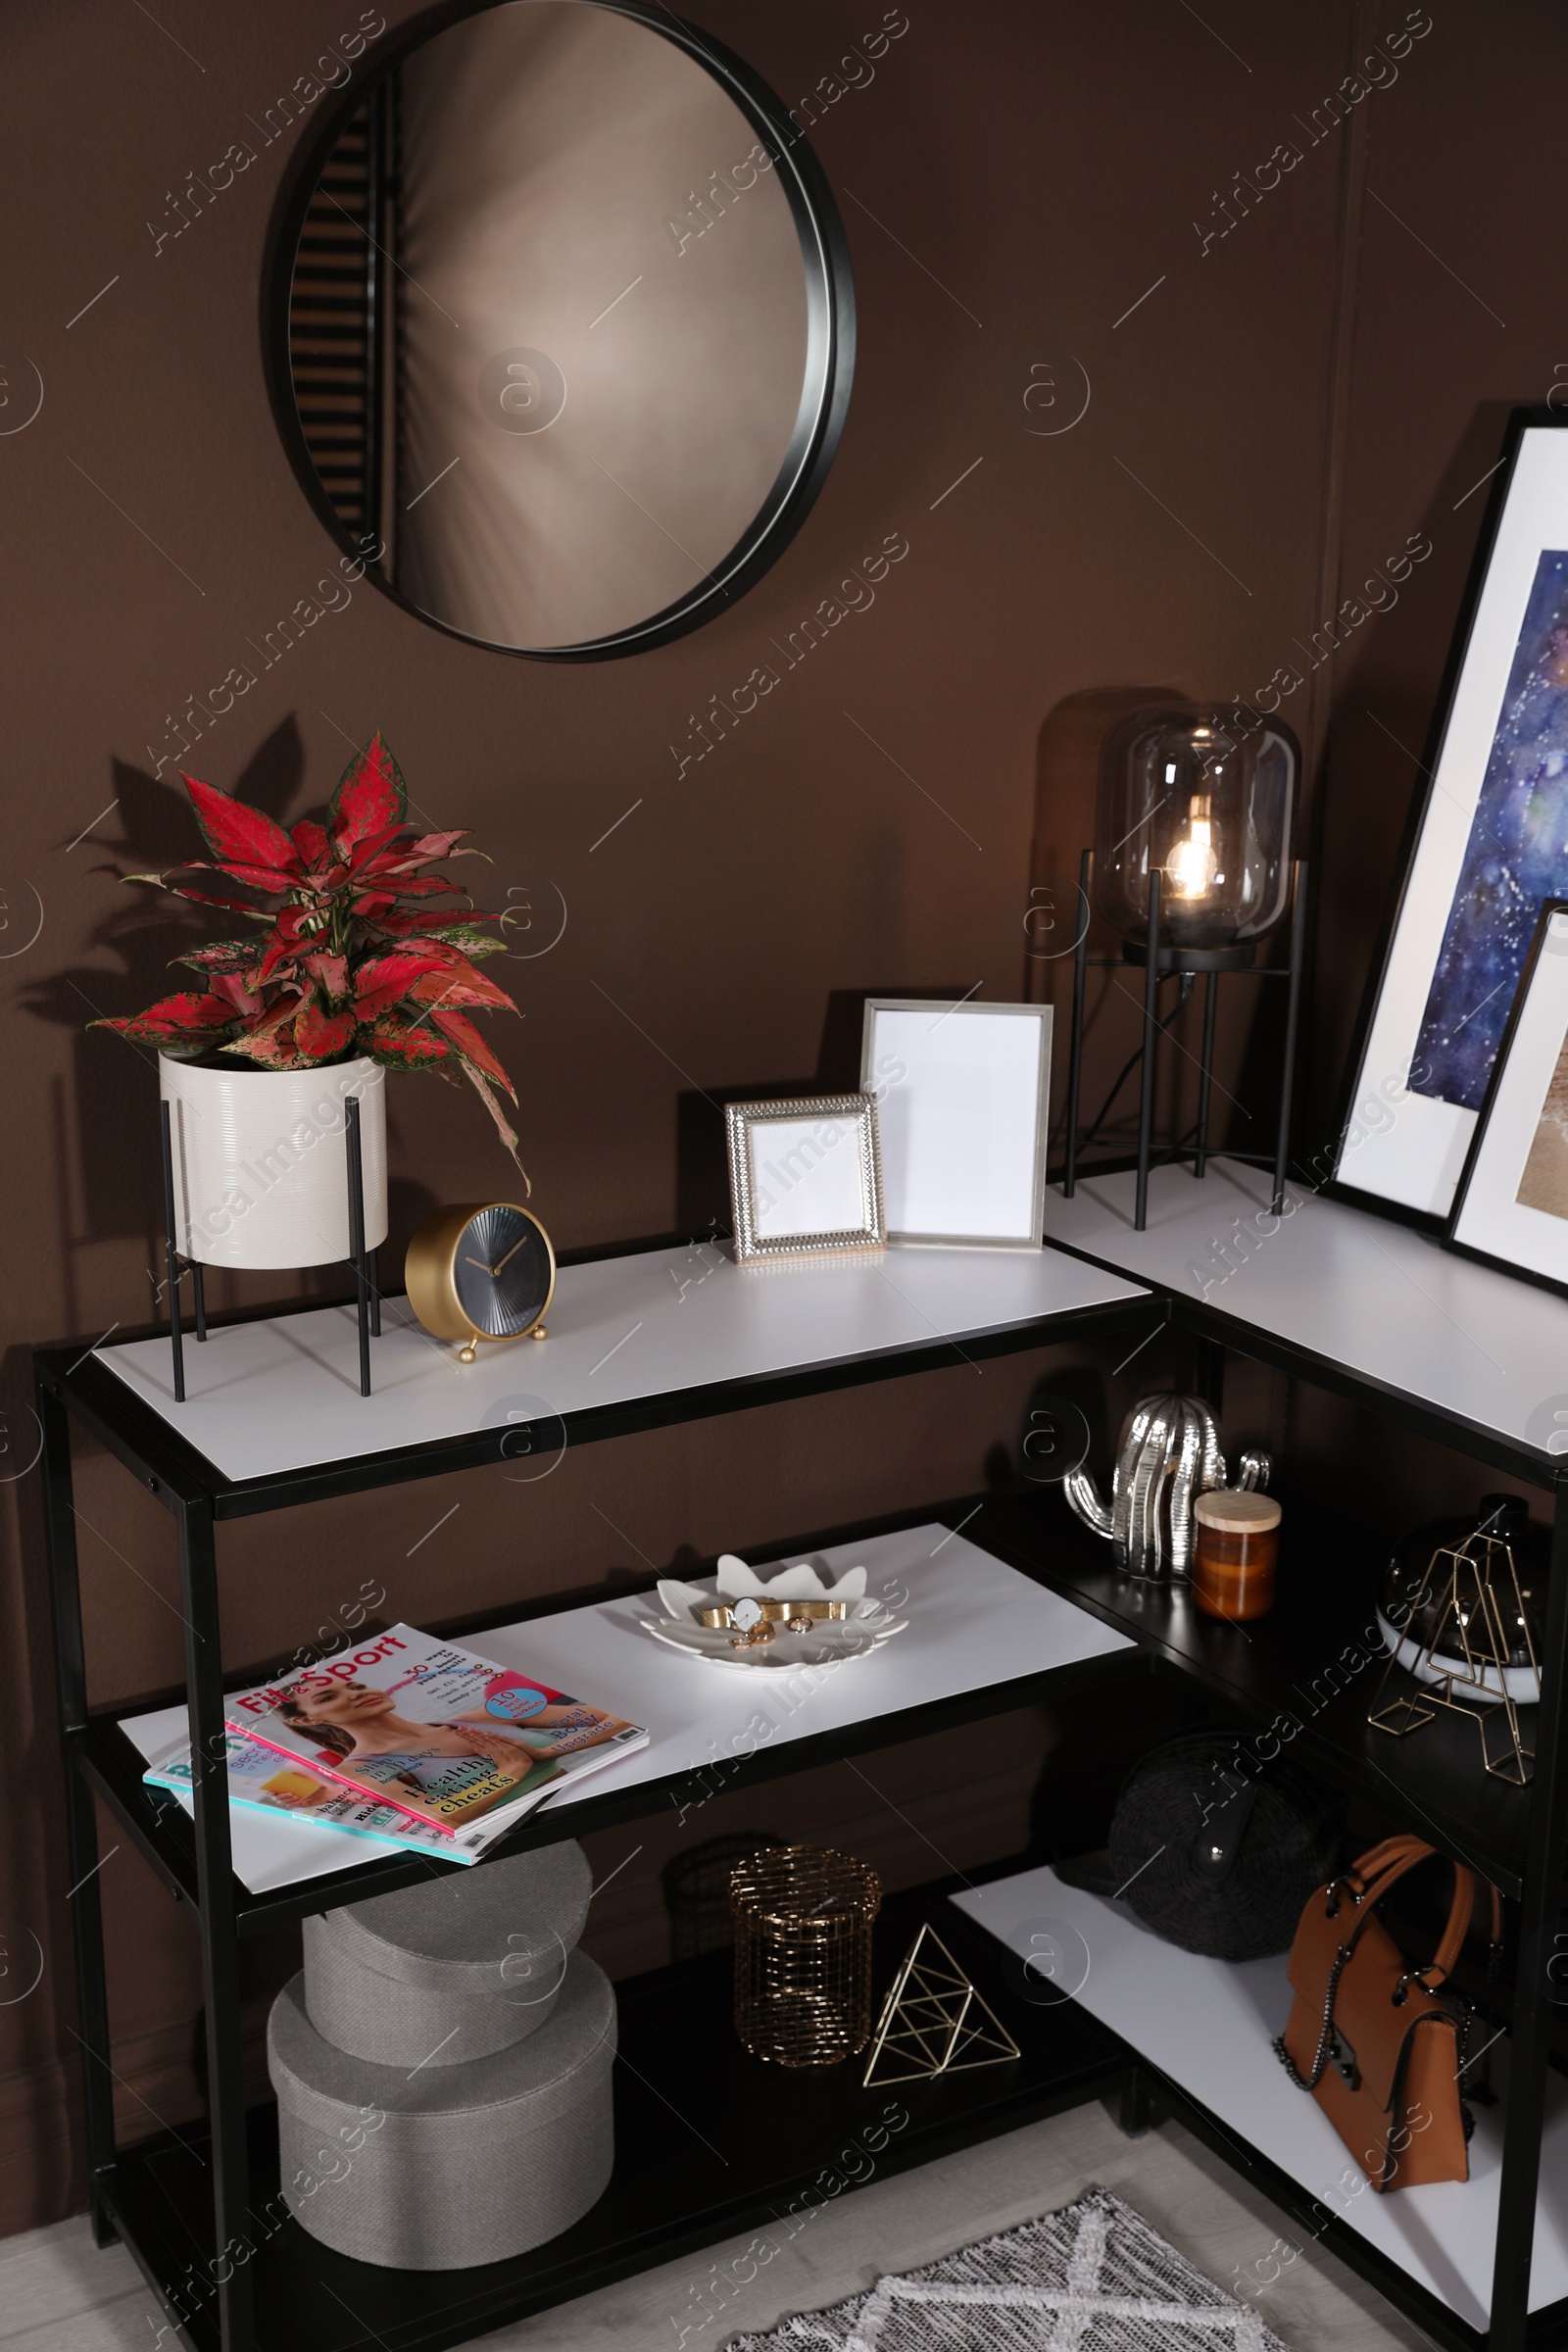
[(1170, 1454)]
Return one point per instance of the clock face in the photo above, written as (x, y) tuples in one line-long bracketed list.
[(502, 1271)]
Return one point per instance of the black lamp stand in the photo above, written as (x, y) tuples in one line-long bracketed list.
[(1183, 964), (367, 1292)]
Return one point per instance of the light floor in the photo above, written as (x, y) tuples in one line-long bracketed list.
[(58, 2294)]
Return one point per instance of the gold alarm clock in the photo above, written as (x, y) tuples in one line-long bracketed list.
[(485, 1271)]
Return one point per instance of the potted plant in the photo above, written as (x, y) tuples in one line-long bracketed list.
[(359, 960)]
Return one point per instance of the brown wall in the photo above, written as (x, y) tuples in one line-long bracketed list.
[(1282, 410)]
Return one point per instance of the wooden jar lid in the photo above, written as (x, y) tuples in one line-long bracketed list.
[(1236, 1511)]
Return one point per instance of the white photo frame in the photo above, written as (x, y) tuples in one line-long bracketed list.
[(962, 1094), (804, 1177), (1511, 1208), (1456, 941)]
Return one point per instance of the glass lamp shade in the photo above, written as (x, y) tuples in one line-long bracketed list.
[(1205, 796)]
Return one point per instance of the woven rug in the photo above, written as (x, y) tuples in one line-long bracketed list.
[(1093, 2278)]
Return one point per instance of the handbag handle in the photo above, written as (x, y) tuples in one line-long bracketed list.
[(1371, 1876)]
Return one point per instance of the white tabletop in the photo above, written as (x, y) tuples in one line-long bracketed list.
[(972, 1621), (1209, 2025), (283, 1394), (1373, 1295)]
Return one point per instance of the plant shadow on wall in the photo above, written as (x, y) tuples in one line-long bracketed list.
[(108, 1183)]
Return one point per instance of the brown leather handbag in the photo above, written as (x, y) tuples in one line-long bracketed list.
[(1368, 2035)]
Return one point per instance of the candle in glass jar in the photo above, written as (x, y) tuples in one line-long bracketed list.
[(1238, 1542)]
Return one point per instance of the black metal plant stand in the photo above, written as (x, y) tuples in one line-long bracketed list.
[(1183, 964), (366, 1282)]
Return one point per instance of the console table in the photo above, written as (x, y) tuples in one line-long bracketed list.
[(1328, 1294)]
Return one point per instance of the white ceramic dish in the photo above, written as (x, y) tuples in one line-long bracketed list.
[(865, 1626)]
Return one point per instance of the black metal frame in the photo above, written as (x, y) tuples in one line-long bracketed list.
[(830, 304), (1336, 1189), (367, 1281), (195, 1860), (1169, 963)]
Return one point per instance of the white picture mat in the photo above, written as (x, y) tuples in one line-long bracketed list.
[(1415, 1155), (808, 1176), (961, 1090), (1492, 1220)]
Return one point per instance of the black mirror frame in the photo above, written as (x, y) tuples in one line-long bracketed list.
[(830, 346)]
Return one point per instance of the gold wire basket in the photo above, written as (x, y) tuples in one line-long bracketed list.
[(803, 1954)]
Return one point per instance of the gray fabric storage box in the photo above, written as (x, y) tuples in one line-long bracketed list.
[(471, 2164), (453, 1969)]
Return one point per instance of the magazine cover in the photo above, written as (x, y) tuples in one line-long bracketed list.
[(421, 1724), (259, 1776)]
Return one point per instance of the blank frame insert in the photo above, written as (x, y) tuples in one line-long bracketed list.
[(962, 1093)]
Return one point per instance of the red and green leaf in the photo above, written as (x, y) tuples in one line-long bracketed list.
[(379, 985), (202, 893), (405, 1044), (370, 798), (320, 1036), (472, 1045), (331, 972), (310, 840), (221, 955), (244, 840), (458, 983), (506, 1133), (233, 988), (273, 1049), (186, 1017)]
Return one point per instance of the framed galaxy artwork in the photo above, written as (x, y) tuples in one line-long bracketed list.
[(1511, 1205), (1487, 848)]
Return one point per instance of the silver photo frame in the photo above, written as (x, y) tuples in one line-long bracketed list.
[(804, 1177), (963, 1094)]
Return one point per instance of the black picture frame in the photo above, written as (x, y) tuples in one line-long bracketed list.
[(1338, 1186), (830, 303), (1478, 1141)]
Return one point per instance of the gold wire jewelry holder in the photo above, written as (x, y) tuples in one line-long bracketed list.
[(803, 1954), (1473, 1589), (933, 2021)]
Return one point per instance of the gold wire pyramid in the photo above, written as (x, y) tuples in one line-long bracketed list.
[(933, 2021)]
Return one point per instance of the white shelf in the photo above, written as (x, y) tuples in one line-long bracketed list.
[(972, 1621), (282, 1394), (1360, 1290), (1210, 2026)]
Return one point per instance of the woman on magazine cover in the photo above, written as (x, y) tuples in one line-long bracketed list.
[(358, 1722)]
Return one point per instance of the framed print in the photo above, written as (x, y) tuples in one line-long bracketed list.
[(1511, 1207), (962, 1093), (804, 1176), (1485, 851)]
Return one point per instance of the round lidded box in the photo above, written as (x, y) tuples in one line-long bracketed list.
[(451, 1971), (1237, 1545), (447, 2167)]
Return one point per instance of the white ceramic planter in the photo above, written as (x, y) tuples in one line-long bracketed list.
[(260, 1160)]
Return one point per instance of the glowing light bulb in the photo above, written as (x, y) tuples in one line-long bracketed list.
[(1193, 866)]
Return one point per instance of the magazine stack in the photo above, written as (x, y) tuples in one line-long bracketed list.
[(409, 1741)]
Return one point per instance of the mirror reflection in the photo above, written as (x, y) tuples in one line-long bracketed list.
[(568, 328)]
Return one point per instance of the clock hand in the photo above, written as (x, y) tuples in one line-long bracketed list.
[(510, 1254), (479, 1262)]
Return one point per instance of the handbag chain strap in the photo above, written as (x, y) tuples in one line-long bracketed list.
[(1325, 2036)]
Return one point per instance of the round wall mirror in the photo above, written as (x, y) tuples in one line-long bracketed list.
[(563, 326)]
